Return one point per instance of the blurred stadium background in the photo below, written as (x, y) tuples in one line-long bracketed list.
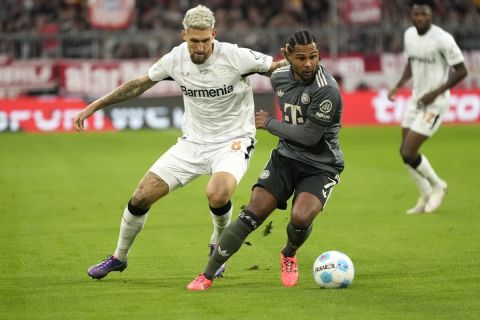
[(82, 49)]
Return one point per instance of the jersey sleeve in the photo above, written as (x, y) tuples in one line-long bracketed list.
[(450, 50), (248, 61), (160, 69), (324, 105)]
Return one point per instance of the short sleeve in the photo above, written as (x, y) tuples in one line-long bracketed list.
[(248, 61), (324, 105), (159, 70), (450, 50)]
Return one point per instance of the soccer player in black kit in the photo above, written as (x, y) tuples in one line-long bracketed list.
[(306, 163)]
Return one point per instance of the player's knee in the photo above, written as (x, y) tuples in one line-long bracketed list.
[(412, 158), (407, 155), (303, 219), (218, 198), (141, 199)]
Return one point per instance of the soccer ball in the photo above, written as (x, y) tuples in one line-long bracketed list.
[(333, 269)]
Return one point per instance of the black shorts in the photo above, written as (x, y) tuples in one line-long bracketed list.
[(283, 177)]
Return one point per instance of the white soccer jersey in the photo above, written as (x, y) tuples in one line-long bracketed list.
[(430, 56), (217, 95)]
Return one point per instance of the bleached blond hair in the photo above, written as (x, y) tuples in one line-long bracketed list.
[(200, 18)]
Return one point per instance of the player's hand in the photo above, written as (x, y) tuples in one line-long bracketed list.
[(261, 118), (392, 93), (284, 52), (80, 118), (427, 99)]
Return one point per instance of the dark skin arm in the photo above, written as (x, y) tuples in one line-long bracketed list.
[(407, 74), (458, 75), (460, 72)]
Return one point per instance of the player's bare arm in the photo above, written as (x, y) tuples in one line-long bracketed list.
[(407, 74), (460, 72), (275, 65), (126, 91)]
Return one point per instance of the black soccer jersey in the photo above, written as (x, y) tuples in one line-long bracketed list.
[(318, 101)]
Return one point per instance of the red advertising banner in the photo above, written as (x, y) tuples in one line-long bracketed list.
[(374, 108), (56, 114), (46, 115)]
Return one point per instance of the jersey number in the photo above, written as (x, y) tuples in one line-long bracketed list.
[(292, 113)]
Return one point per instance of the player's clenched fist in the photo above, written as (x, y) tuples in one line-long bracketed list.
[(261, 119)]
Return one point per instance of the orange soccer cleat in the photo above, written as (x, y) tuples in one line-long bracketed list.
[(199, 283), (289, 271)]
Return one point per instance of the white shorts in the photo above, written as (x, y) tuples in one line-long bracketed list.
[(424, 121), (187, 160)]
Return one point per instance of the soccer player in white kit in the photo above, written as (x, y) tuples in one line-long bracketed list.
[(218, 127), (431, 51)]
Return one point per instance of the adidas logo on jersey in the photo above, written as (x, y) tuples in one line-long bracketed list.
[(207, 93)]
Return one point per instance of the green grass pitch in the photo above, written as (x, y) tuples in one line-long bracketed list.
[(62, 196)]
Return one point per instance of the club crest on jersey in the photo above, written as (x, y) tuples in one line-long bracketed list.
[(222, 71), (305, 98), (325, 106), (265, 174), (280, 93)]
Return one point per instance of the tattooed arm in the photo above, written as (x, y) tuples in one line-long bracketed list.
[(128, 90)]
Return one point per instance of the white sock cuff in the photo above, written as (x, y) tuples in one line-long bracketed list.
[(222, 220), (422, 183), (132, 220), (427, 171)]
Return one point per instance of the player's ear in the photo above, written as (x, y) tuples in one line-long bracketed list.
[(214, 33), (287, 52), (184, 35)]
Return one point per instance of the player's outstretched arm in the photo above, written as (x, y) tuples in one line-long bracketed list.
[(128, 90), (278, 64)]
